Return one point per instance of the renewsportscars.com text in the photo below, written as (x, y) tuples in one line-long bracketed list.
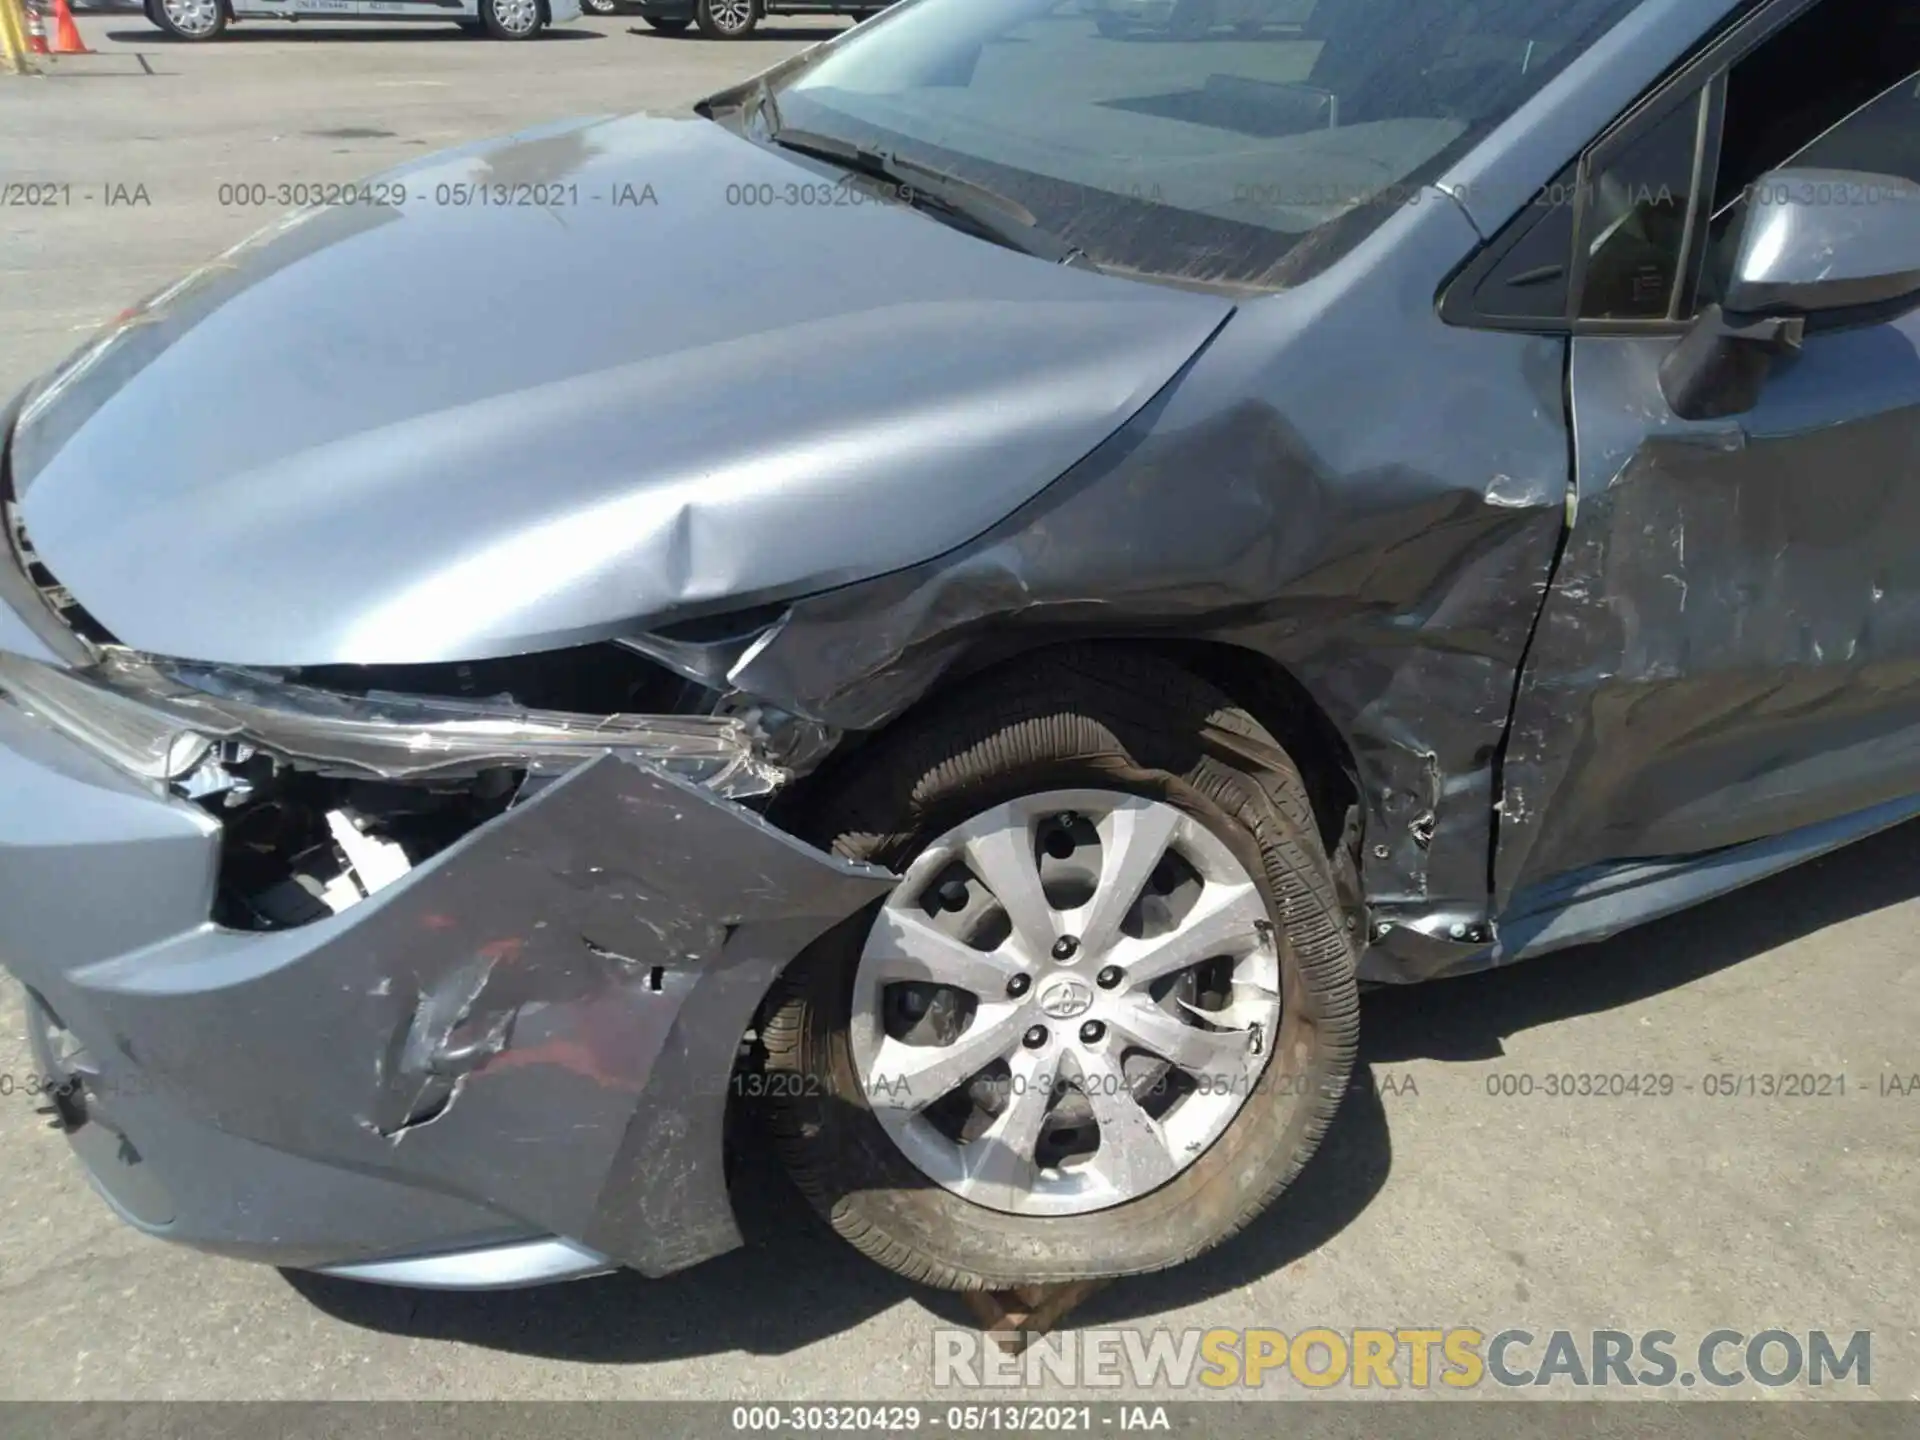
[(1461, 1358)]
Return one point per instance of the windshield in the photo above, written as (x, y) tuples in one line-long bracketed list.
[(1243, 142)]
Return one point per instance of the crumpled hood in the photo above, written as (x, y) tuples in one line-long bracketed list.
[(473, 424)]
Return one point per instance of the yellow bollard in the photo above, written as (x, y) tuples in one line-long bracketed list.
[(13, 39)]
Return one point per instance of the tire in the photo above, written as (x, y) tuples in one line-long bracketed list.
[(601, 8), (1140, 731), (195, 21), (668, 27), (727, 19), (511, 19)]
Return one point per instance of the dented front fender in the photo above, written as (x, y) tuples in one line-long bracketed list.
[(541, 1021)]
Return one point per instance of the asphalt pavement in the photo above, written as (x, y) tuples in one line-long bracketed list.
[(1454, 1191)]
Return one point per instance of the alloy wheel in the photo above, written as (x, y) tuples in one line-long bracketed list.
[(517, 17), (193, 17), (1066, 1000)]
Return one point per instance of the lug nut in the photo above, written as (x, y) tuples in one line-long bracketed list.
[(1019, 985), (1109, 977), (1065, 948), (1091, 1032), (1035, 1038)]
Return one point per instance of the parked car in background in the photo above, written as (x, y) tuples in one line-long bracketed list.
[(1212, 526), (736, 19), (201, 20)]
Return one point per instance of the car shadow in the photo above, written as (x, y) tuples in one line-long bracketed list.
[(764, 32), (795, 1283)]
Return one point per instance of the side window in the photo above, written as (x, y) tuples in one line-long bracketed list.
[(1837, 89), (1880, 138), (1807, 79), (1637, 201), (1526, 283)]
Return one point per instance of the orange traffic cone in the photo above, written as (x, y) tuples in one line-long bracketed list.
[(66, 34), (36, 33)]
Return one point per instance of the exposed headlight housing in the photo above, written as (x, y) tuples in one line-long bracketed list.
[(159, 719)]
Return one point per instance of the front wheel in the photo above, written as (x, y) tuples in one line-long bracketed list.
[(511, 19), (1109, 1010), (193, 20), (727, 19), (600, 7)]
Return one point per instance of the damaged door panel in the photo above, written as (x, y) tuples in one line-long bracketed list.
[(514, 1020), (1730, 652), (1731, 646)]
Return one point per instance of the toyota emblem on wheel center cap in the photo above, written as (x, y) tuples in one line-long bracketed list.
[(1066, 996)]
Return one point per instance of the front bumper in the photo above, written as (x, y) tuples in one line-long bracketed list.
[(518, 1053)]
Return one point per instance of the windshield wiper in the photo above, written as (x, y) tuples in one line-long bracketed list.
[(951, 197)]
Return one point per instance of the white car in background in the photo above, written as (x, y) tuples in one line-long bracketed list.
[(502, 19)]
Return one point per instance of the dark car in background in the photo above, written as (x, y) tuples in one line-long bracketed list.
[(1218, 524)]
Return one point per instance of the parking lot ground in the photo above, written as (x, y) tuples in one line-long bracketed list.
[(1455, 1189)]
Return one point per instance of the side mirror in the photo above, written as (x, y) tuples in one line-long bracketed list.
[(1818, 241), (1815, 245)]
